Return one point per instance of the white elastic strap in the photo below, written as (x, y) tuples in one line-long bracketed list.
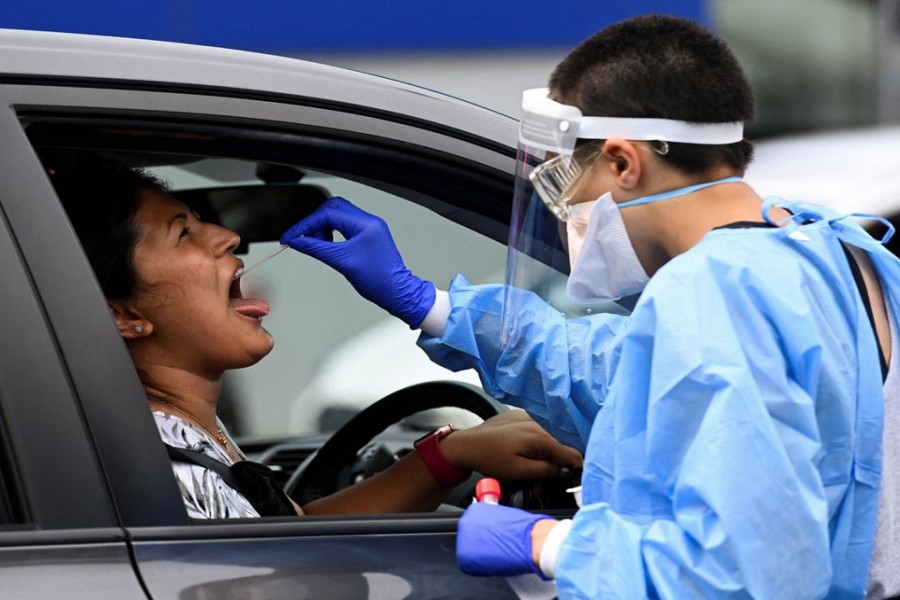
[(552, 545), (436, 320), (667, 130)]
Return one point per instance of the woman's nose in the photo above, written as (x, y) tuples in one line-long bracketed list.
[(225, 240)]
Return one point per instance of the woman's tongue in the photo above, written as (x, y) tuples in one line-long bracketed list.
[(250, 307)]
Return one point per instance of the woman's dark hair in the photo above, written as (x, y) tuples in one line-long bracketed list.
[(101, 197), (663, 67)]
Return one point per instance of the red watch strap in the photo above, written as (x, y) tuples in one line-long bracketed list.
[(429, 449)]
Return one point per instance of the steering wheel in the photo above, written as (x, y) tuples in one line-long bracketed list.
[(319, 476)]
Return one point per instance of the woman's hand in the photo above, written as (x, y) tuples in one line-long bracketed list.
[(510, 446)]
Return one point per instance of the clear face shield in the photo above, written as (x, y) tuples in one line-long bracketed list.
[(558, 147), (548, 172)]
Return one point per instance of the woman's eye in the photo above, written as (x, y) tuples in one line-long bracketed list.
[(184, 232)]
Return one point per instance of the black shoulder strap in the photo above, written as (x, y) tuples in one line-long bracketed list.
[(864, 293), (253, 481), (207, 462)]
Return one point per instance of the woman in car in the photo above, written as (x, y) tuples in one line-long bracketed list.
[(169, 279)]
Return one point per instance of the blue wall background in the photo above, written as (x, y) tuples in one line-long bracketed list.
[(341, 26)]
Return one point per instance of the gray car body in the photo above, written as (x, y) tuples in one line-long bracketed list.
[(88, 493)]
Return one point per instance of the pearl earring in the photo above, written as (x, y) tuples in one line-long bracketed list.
[(139, 329)]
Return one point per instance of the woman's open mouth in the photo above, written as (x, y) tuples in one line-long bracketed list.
[(255, 308)]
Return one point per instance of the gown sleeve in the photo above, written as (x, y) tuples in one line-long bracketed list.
[(705, 463), (557, 369)]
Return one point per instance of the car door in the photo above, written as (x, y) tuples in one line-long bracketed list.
[(458, 174)]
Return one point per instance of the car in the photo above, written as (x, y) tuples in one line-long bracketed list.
[(89, 507)]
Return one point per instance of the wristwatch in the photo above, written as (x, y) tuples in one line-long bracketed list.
[(429, 448)]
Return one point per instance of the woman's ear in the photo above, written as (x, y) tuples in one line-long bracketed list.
[(625, 162), (129, 321)]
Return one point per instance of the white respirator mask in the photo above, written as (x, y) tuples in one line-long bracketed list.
[(604, 265)]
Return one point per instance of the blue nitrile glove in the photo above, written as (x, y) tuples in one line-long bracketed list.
[(496, 540), (368, 258)]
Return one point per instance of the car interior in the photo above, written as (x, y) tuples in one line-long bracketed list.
[(346, 391)]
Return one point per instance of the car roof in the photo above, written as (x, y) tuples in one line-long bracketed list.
[(42, 55)]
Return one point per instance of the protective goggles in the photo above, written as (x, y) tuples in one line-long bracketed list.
[(552, 127), (555, 180)]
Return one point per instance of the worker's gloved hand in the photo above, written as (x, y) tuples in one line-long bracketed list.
[(496, 540), (368, 258)]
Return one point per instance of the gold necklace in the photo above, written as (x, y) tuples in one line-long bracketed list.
[(218, 435)]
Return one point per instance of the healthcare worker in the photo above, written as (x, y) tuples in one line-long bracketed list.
[(736, 423)]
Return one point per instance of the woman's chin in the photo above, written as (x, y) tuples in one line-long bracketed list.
[(248, 352), (266, 346)]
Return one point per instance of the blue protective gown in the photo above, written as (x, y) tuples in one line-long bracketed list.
[(738, 449)]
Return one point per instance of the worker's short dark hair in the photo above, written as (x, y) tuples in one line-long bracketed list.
[(657, 66)]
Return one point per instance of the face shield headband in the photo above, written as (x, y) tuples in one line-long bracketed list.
[(550, 126)]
